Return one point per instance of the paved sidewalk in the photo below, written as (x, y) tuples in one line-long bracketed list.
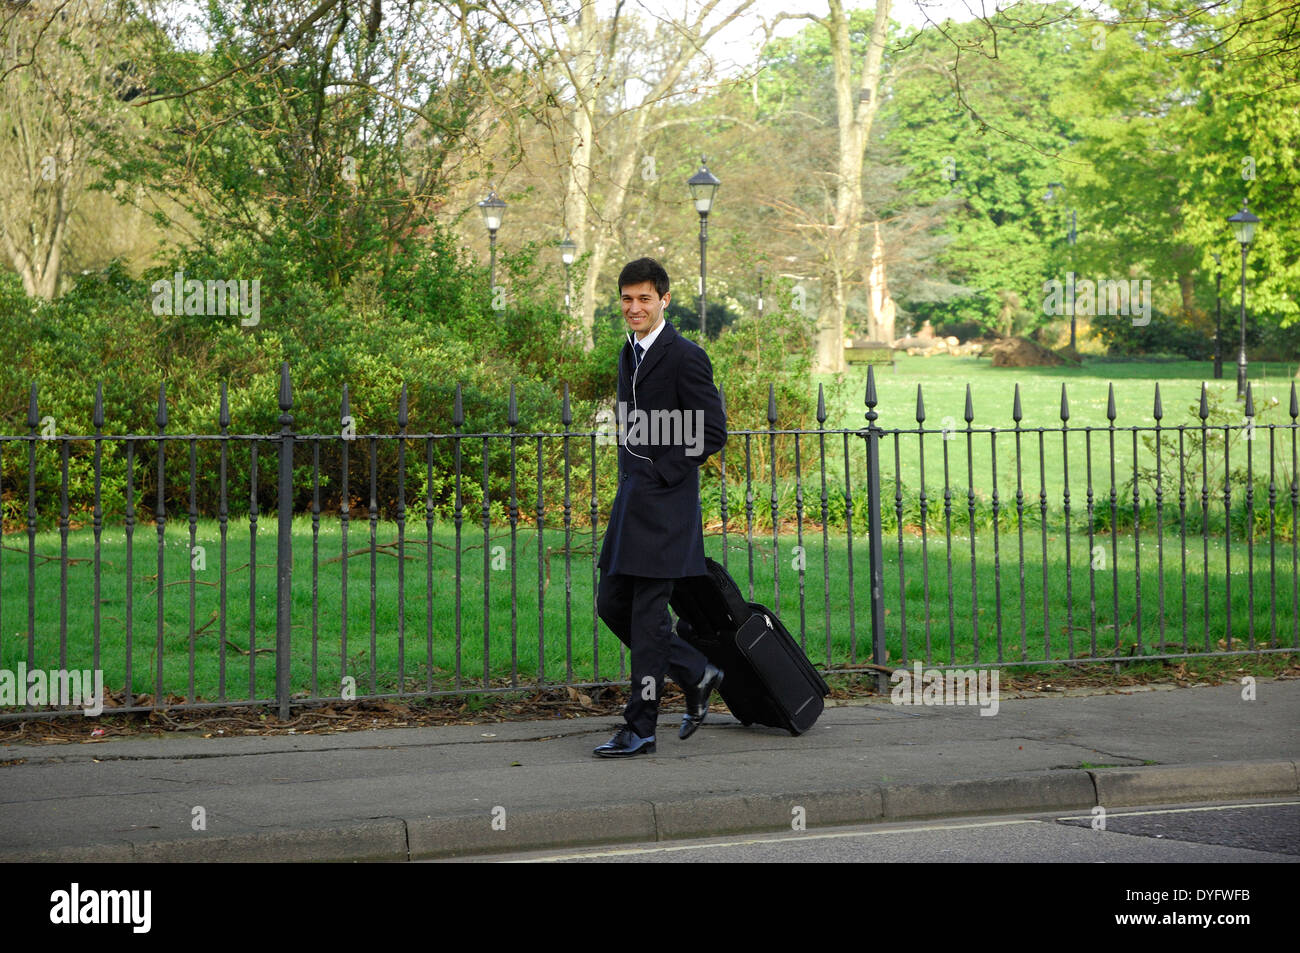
[(409, 793)]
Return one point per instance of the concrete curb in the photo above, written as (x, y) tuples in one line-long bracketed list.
[(376, 840), (530, 830), (1126, 787), (1058, 791), (416, 838), (770, 814)]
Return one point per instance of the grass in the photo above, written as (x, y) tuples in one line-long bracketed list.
[(1054, 624), (943, 381), (944, 378), (1042, 463)]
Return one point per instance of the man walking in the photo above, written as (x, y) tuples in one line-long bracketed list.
[(671, 421)]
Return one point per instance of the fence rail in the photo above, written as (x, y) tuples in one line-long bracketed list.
[(1156, 515)]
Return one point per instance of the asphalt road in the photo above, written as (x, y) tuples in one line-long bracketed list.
[(1242, 832)]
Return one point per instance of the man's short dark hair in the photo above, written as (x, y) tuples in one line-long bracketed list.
[(644, 269)]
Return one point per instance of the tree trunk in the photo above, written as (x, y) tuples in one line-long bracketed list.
[(881, 311), (577, 189), (1187, 287), (840, 261)]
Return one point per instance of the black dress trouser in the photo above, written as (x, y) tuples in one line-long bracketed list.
[(636, 610)]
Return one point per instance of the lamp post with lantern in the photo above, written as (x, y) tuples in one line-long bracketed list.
[(1243, 227), (492, 208), (1218, 316), (568, 251), (703, 185)]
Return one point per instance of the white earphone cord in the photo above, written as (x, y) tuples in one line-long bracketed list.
[(636, 369)]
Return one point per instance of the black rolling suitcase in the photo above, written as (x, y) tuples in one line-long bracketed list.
[(768, 679)]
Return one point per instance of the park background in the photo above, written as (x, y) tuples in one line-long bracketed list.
[(880, 169)]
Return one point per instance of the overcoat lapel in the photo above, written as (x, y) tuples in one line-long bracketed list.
[(665, 340)]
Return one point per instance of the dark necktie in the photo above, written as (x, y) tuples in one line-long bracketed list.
[(639, 351)]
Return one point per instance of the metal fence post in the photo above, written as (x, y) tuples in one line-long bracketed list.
[(33, 421), (284, 554), (875, 548)]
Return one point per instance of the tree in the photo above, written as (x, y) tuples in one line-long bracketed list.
[(985, 132), (330, 132), (63, 79), (857, 99), (778, 165), (1171, 144), (612, 84)]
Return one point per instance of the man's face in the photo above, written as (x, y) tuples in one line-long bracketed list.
[(643, 309)]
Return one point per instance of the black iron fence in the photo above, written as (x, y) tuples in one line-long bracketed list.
[(1012, 545)]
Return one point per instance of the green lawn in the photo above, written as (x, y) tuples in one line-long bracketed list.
[(512, 643), (1042, 458), (944, 378)]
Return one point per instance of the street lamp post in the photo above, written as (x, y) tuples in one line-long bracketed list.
[(568, 250), (703, 184), (492, 208), (1072, 236), (1243, 226), (1218, 316)]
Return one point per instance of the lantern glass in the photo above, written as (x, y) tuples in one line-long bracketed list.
[(703, 185), (1243, 225), (493, 209), (703, 196)]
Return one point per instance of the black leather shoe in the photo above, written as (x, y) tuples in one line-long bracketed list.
[(624, 744), (697, 700)]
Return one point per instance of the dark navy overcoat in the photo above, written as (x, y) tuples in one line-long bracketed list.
[(655, 523)]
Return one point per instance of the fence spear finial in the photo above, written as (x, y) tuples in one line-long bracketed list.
[(286, 390), (1204, 410), (821, 404), (1159, 410), (970, 406), (1017, 414), (1065, 404), (920, 406), (1110, 403)]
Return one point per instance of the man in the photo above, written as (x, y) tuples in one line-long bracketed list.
[(671, 421)]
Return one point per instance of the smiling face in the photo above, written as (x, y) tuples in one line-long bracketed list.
[(643, 309)]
